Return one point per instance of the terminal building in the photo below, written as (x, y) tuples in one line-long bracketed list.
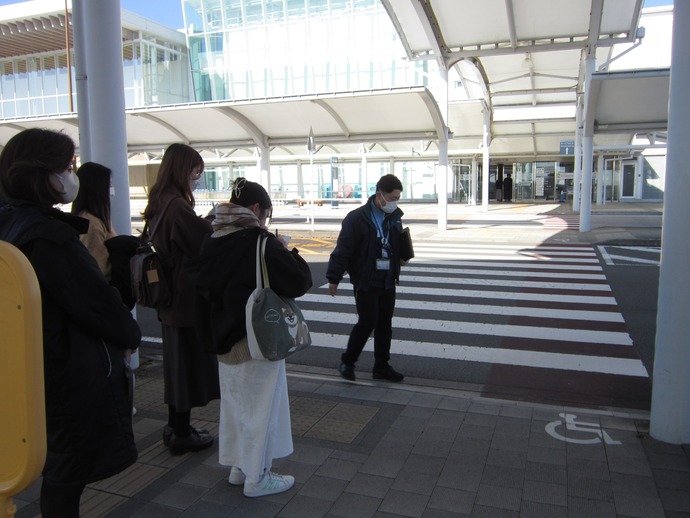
[(247, 81)]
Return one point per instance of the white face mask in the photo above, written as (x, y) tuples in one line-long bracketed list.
[(112, 192), (70, 186), (389, 206), (193, 184)]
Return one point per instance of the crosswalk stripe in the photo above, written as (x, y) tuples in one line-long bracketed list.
[(421, 252), (454, 307), (567, 362), (479, 328), (505, 272), (510, 283), (525, 263)]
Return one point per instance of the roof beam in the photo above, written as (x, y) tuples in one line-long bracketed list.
[(337, 118), (164, 124), (258, 136), (595, 15)]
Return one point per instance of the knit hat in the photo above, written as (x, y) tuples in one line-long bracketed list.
[(246, 193)]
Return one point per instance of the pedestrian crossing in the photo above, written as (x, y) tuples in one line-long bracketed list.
[(562, 222), (543, 317)]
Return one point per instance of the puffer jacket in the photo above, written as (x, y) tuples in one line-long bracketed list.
[(86, 329), (357, 248)]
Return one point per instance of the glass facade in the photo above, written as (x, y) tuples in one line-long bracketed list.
[(252, 49), (155, 72)]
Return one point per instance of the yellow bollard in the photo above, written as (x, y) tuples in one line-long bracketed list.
[(22, 397)]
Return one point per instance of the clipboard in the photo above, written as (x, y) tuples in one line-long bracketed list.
[(406, 248)]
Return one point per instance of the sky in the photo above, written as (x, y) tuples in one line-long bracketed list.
[(169, 12)]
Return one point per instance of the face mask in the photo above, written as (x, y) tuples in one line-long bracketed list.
[(389, 206), (112, 192), (70, 186), (193, 184)]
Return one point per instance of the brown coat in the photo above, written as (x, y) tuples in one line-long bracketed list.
[(178, 238)]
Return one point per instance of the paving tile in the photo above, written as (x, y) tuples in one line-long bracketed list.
[(207, 510), (513, 426), (305, 507), (369, 485), (153, 510), (588, 468), (426, 400), (543, 472), (546, 455), (579, 507), (674, 500), (509, 442), (337, 468), (383, 466), (397, 397), (541, 510), (424, 464), (310, 454), (406, 422), (485, 407), (256, 508), (518, 411), (447, 419), (431, 447), (452, 403), (545, 493), (414, 482), (595, 452), (510, 459), (400, 503), (471, 444), (481, 418), (638, 506), (439, 433), (482, 511), (323, 487), (591, 488), (424, 412), (402, 436), (180, 496), (94, 504), (350, 505), (205, 476), (633, 485), (475, 431), (452, 500), (499, 497), (503, 477), (465, 474), (671, 479)]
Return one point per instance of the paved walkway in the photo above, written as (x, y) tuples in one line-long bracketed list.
[(416, 449)]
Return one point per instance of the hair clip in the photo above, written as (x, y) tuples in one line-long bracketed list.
[(238, 185)]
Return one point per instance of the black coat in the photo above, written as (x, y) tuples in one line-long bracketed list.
[(86, 329), (225, 276), (357, 248)]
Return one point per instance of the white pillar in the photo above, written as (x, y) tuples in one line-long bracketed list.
[(600, 179), (587, 155), (79, 35), (264, 165), (442, 182), (577, 174), (365, 176), (105, 98), (485, 159), (300, 180), (670, 416), (473, 181)]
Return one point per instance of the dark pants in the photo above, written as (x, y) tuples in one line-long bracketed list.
[(375, 311), (60, 501)]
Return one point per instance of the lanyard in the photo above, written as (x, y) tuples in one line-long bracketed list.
[(379, 231)]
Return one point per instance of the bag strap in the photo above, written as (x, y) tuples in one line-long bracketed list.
[(155, 227), (261, 270)]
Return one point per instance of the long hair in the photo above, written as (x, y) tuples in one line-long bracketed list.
[(173, 176), (94, 192), (27, 161)]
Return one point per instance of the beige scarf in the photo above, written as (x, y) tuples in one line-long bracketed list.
[(231, 218)]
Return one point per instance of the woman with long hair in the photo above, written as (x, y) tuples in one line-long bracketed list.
[(190, 373), (86, 327), (93, 203)]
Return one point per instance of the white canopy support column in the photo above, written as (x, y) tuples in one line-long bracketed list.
[(365, 174), (264, 166), (600, 179), (577, 174), (474, 175), (486, 140), (442, 168), (587, 153), (103, 98), (670, 414)]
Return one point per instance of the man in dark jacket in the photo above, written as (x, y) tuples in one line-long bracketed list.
[(368, 248)]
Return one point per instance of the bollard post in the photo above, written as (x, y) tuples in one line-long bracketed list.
[(22, 397)]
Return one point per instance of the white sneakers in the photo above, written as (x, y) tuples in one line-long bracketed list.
[(236, 477), (270, 484)]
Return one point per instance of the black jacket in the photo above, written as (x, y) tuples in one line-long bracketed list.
[(86, 328), (357, 248), (224, 275)]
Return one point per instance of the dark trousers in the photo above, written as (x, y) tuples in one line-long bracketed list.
[(375, 311), (60, 501)]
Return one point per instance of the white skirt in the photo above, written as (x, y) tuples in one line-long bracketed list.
[(254, 423)]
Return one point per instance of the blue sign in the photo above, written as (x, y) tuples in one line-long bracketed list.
[(567, 147)]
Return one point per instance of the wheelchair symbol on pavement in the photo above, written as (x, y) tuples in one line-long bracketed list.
[(568, 420)]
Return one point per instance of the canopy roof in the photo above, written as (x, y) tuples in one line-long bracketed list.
[(522, 62)]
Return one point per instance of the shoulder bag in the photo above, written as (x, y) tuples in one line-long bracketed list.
[(151, 284), (275, 325)]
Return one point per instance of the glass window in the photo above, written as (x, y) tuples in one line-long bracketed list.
[(254, 11), (295, 8), (233, 13), (274, 11)]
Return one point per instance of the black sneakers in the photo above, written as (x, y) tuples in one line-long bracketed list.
[(168, 433), (386, 373), (347, 371)]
